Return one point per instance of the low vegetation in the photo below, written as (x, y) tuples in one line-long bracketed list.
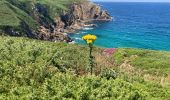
[(32, 69), (153, 62)]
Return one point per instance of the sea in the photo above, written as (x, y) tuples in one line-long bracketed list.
[(134, 25)]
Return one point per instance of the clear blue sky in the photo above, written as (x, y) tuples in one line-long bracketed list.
[(133, 0)]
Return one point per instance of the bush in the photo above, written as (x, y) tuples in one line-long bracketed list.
[(27, 72), (108, 73)]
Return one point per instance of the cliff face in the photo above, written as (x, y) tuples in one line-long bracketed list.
[(79, 14), (33, 20), (87, 11), (75, 18)]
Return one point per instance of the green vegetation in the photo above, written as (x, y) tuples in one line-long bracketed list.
[(57, 6), (11, 15), (90, 39), (151, 62), (32, 69), (15, 14), (12, 12)]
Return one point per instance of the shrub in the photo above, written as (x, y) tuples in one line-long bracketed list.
[(108, 73)]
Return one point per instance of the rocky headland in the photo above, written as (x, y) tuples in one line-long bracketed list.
[(77, 17), (54, 28)]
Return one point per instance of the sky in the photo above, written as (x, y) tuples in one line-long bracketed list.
[(132, 0)]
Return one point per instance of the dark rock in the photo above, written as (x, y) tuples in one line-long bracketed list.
[(76, 18), (80, 14)]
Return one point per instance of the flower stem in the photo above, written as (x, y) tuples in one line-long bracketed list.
[(91, 59)]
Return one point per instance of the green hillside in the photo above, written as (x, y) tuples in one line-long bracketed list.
[(22, 15), (12, 12), (12, 16), (32, 69), (41, 70)]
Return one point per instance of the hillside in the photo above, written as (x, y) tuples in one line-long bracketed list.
[(13, 12), (53, 69), (32, 69), (21, 18), (47, 19)]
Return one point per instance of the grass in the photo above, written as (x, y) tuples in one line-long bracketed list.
[(42, 70), (55, 7), (152, 62), (14, 13), (11, 15), (7, 16)]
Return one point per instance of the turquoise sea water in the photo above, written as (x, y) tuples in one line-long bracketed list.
[(135, 25)]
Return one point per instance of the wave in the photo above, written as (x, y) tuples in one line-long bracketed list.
[(78, 33), (78, 38), (83, 32), (88, 28), (73, 42)]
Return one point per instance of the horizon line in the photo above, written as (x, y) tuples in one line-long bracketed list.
[(134, 1)]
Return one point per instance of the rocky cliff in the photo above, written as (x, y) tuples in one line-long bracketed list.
[(33, 20), (77, 17), (79, 14)]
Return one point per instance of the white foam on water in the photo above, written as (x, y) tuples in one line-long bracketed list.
[(73, 42), (88, 28), (78, 38), (83, 32), (78, 33)]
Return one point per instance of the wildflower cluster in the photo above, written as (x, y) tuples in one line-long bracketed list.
[(89, 38)]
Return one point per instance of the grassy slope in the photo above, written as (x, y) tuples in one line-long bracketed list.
[(153, 62), (6, 15), (10, 15), (14, 12), (139, 65), (32, 69)]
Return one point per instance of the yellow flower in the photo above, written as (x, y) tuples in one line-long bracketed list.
[(89, 41), (89, 38)]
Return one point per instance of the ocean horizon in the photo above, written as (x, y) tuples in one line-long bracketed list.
[(143, 25)]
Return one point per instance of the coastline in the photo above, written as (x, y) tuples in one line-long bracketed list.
[(42, 24), (80, 16), (134, 29)]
